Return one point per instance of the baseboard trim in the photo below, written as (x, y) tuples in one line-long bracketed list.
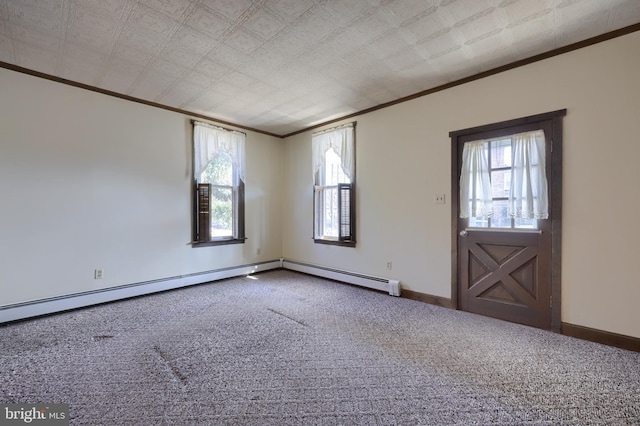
[(427, 298), (377, 283), (585, 333), (20, 311), (604, 337)]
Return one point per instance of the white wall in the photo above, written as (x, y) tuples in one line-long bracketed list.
[(403, 161), (90, 181)]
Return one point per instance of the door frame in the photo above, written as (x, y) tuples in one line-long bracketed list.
[(555, 202)]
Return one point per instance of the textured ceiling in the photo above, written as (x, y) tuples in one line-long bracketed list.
[(283, 65)]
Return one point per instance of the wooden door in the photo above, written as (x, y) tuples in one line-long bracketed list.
[(510, 272)]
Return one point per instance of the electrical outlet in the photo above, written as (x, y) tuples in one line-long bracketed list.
[(98, 274), (389, 265), (440, 199)]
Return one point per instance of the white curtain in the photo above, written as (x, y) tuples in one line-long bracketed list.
[(475, 185), (209, 140), (341, 140), (528, 197)]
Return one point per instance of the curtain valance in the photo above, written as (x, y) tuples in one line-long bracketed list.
[(528, 191), (528, 195), (209, 141), (475, 185), (341, 141)]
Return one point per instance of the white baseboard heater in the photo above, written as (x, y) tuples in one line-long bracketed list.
[(51, 305), (384, 284)]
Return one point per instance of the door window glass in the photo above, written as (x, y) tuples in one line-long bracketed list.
[(499, 153)]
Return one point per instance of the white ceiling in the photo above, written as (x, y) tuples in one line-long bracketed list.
[(283, 65)]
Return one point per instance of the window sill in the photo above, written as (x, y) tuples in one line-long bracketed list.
[(334, 242), (220, 242)]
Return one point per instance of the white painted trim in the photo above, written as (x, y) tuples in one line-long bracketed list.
[(63, 303), (378, 283)]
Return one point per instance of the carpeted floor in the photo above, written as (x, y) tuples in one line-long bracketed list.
[(290, 349)]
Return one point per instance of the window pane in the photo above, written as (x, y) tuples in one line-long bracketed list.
[(221, 212), (501, 153), (330, 212), (500, 183), (526, 223), (500, 218), (478, 222), (219, 171)]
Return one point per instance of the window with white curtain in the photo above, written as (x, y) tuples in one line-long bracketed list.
[(333, 160), (503, 182), (219, 175)]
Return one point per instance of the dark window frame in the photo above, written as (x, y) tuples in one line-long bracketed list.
[(200, 220), (348, 239), (512, 221)]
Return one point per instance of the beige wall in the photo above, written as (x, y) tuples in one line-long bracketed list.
[(90, 181), (403, 161)]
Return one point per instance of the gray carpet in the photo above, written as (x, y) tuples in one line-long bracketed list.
[(290, 349)]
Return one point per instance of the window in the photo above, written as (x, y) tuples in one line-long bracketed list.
[(503, 181), (219, 185), (334, 186)]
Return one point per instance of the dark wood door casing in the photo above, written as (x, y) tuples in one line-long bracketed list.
[(490, 271)]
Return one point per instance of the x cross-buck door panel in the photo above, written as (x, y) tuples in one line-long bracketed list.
[(500, 274)]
